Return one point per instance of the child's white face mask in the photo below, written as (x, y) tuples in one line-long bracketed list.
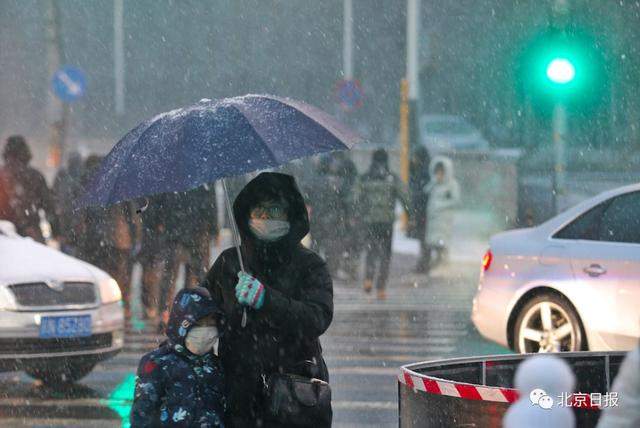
[(202, 339)]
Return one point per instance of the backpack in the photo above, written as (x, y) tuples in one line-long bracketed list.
[(377, 199)]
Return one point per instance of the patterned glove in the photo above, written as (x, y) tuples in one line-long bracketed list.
[(249, 291)]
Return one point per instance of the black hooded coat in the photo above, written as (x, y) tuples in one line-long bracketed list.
[(297, 309)]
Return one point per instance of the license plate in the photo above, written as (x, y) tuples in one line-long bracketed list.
[(72, 326)]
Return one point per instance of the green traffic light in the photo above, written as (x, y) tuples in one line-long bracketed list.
[(561, 71)]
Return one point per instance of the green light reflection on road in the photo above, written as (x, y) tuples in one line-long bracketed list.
[(121, 398)]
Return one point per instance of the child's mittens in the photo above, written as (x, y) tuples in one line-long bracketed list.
[(249, 291)]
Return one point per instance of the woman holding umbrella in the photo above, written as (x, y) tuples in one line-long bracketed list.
[(287, 291), (280, 301)]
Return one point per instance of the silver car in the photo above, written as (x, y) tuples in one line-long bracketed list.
[(447, 133), (570, 284), (59, 316)]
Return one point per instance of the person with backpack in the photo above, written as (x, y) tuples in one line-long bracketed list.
[(378, 191)]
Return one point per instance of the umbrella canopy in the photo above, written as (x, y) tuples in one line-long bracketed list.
[(182, 149)]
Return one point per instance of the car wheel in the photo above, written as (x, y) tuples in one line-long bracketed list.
[(547, 323), (61, 374)]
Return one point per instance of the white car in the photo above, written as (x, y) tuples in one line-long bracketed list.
[(570, 284), (446, 133), (59, 316)]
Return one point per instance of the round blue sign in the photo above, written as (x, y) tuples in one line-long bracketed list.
[(350, 94), (69, 84)]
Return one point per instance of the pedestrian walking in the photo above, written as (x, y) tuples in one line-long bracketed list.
[(23, 190), (155, 254), (190, 222), (331, 204), (181, 384), (443, 195), (108, 238), (418, 179), (287, 294), (66, 189), (348, 224), (378, 191)]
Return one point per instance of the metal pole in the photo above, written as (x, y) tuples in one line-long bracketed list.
[(410, 102), (236, 238), (413, 31), (404, 131), (118, 55), (559, 147), (347, 40), (57, 111), (404, 142), (560, 13)]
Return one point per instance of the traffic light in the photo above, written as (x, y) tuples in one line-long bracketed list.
[(561, 71), (565, 67)]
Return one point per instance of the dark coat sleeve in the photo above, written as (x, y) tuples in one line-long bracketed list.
[(312, 313), (218, 282), (145, 411)]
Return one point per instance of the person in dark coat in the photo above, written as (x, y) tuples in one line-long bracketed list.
[(418, 179), (181, 384), (378, 191), (23, 190), (331, 203), (67, 187), (155, 253), (287, 293), (191, 220), (108, 237)]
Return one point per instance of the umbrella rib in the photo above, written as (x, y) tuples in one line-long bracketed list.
[(253, 130), (331, 128)]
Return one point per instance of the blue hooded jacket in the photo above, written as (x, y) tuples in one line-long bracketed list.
[(175, 387)]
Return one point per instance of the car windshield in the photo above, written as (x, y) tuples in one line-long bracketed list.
[(360, 192)]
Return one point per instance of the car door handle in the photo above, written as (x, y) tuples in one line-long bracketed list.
[(594, 270)]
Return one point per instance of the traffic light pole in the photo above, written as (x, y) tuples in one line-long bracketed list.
[(559, 148), (560, 16)]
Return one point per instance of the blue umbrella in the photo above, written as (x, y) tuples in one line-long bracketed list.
[(182, 149), (185, 148)]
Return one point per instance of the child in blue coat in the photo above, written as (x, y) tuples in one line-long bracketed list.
[(181, 383)]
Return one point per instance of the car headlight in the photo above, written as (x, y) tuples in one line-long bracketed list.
[(109, 291), (7, 301)]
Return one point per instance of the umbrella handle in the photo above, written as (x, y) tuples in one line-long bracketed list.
[(236, 239)]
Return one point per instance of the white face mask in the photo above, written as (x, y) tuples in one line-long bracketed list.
[(269, 230), (201, 340)]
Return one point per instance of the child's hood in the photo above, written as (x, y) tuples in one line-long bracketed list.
[(189, 306)]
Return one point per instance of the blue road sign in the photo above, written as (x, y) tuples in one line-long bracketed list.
[(350, 94), (69, 84)]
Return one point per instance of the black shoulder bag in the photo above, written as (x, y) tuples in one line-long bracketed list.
[(293, 400)]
